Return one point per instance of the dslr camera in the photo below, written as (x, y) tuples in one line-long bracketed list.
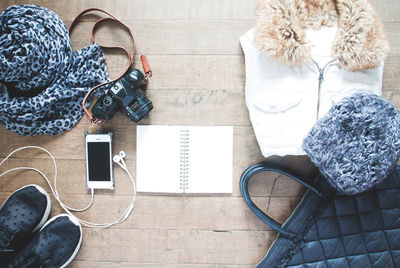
[(126, 95)]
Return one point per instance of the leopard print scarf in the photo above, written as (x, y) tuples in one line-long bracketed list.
[(42, 82)]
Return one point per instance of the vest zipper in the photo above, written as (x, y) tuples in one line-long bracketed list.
[(320, 81)]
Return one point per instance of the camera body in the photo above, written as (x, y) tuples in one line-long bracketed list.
[(124, 95)]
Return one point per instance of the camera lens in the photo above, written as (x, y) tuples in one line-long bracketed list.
[(139, 108)]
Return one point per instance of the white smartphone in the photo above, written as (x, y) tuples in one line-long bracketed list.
[(99, 165)]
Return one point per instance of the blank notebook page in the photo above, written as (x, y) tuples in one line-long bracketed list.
[(180, 159)]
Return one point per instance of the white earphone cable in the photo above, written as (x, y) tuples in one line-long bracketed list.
[(117, 159)]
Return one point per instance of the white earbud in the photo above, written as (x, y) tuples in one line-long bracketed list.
[(116, 158), (122, 156), (119, 159)]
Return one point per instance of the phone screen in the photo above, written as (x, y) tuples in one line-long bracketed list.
[(99, 161)]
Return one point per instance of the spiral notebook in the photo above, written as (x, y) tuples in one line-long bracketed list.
[(184, 159)]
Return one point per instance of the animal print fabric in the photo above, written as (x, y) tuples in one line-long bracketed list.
[(42, 82)]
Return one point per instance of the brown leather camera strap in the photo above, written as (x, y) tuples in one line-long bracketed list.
[(143, 58)]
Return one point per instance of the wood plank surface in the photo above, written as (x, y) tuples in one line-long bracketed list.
[(178, 246), (112, 264), (179, 9), (161, 37), (199, 79)]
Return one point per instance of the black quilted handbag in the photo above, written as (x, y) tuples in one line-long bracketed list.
[(329, 229)]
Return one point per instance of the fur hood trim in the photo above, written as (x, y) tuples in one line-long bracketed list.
[(360, 42)]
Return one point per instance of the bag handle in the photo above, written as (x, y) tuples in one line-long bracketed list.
[(270, 166)]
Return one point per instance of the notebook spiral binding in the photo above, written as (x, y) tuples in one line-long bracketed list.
[(184, 160)]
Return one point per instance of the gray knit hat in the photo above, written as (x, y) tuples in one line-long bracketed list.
[(357, 143)]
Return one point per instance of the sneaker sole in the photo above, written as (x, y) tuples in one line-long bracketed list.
[(48, 206), (74, 221)]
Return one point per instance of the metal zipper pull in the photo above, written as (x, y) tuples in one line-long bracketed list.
[(320, 80), (321, 75)]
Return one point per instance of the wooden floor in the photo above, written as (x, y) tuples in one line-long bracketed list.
[(199, 79)]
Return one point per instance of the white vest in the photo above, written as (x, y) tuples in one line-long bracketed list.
[(285, 102)]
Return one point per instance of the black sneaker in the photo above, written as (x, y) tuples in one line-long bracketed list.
[(56, 245), (23, 213)]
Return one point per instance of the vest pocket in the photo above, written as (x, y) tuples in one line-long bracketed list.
[(277, 100)]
